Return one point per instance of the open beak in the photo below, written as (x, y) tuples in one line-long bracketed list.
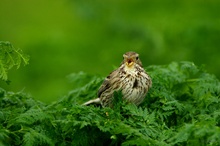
[(129, 62)]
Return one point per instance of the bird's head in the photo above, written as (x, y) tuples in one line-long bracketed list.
[(131, 58)]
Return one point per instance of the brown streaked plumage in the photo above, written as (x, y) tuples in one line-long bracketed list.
[(130, 78)]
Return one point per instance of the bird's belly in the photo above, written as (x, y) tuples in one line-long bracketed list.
[(134, 94)]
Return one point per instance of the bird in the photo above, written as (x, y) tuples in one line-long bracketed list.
[(130, 78)]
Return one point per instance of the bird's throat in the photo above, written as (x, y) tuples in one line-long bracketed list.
[(129, 64)]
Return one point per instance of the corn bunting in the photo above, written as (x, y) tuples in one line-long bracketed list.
[(130, 78)]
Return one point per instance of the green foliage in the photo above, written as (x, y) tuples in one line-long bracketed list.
[(10, 57), (181, 108)]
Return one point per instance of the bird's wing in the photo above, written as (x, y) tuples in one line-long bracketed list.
[(106, 83)]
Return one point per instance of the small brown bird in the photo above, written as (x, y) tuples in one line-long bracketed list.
[(130, 78)]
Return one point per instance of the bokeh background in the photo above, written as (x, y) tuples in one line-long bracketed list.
[(63, 37)]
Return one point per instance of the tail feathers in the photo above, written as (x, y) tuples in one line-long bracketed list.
[(96, 101)]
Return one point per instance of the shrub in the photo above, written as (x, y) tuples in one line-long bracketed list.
[(181, 108)]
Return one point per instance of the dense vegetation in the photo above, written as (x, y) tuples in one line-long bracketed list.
[(182, 108)]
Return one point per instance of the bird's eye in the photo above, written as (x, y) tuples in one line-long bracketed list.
[(137, 58)]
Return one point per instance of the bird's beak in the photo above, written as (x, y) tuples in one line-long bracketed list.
[(129, 62)]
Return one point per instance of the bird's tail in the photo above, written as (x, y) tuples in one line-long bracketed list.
[(96, 101)]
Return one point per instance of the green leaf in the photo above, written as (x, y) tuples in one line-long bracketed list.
[(10, 57)]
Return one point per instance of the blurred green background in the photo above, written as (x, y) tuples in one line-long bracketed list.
[(69, 36)]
